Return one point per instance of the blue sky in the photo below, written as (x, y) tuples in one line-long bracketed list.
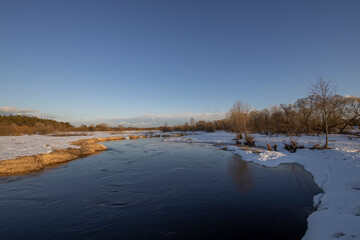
[(99, 60)]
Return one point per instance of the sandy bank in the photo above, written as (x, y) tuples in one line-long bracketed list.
[(26, 164), (87, 146)]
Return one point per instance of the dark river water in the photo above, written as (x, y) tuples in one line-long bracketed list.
[(148, 189)]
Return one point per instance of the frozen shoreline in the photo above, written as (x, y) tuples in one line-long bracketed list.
[(336, 171), (26, 145)]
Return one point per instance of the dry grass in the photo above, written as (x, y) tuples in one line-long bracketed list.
[(249, 140), (154, 136), (269, 148), (137, 136), (177, 135), (23, 165), (319, 147), (253, 150), (292, 147)]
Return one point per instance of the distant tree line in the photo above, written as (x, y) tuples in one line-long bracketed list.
[(322, 111), (19, 125), (107, 127)]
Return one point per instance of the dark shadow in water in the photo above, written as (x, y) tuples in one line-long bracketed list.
[(240, 174)]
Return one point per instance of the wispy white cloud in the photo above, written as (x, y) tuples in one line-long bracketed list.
[(15, 111), (25, 112), (45, 115), (349, 96), (207, 116)]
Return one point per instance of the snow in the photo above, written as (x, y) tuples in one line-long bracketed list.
[(14, 146), (336, 171)]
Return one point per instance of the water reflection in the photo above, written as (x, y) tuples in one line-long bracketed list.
[(300, 179), (241, 174)]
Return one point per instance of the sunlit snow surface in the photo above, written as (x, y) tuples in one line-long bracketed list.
[(336, 171), (14, 146)]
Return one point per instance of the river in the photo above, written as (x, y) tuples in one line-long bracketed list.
[(149, 189)]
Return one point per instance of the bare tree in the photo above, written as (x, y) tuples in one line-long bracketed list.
[(350, 111), (238, 117), (322, 93), (291, 118), (277, 121), (305, 110), (165, 128)]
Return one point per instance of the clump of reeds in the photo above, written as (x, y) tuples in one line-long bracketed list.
[(134, 137), (249, 140), (275, 147)]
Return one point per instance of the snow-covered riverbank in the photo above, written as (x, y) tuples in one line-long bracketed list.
[(16, 146), (336, 171)]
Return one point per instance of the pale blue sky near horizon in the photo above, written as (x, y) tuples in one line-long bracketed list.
[(88, 60)]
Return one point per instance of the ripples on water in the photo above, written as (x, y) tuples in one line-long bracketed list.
[(147, 189)]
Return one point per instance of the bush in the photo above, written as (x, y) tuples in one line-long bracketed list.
[(275, 147), (249, 140), (292, 147)]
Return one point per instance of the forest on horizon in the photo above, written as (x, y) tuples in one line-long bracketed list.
[(321, 111)]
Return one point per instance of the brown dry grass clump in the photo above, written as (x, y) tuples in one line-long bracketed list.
[(26, 164), (249, 140), (319, 147), (253, 150), (154, 136), (269, 148), (293, 146), (137, 136)]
